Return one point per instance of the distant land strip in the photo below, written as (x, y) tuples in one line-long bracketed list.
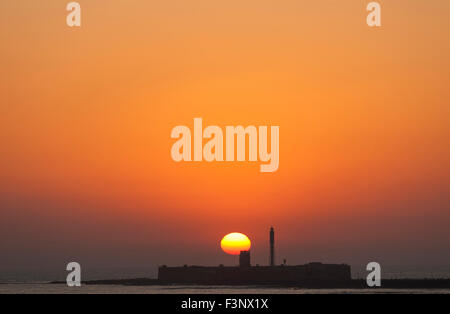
[(352, 284)]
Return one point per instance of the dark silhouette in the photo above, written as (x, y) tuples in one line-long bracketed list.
[(272, 247), (244, 259), (313, 273)]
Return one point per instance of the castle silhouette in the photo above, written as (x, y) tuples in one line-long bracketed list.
[(312, 274)]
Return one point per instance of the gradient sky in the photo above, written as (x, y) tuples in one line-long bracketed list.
[(86, 115)]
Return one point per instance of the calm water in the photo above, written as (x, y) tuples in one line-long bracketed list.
[(35, 281), (105, 289)]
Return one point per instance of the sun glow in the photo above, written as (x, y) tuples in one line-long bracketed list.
[(234, 243)]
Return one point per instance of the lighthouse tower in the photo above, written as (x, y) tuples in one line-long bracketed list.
[(272, 244)]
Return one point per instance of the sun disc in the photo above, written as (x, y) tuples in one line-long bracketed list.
[(235, 242)]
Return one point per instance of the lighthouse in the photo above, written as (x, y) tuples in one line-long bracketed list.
[(272, 244)]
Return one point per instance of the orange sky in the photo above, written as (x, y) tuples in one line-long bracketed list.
[(86, 115)]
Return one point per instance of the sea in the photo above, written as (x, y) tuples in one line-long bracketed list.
[(38, 282), (45, 288)]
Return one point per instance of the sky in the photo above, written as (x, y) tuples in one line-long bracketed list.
[(86, 114)]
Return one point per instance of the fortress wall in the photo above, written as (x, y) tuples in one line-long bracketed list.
[(315, 272)]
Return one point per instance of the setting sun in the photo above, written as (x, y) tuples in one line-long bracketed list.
[(234, 243)]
